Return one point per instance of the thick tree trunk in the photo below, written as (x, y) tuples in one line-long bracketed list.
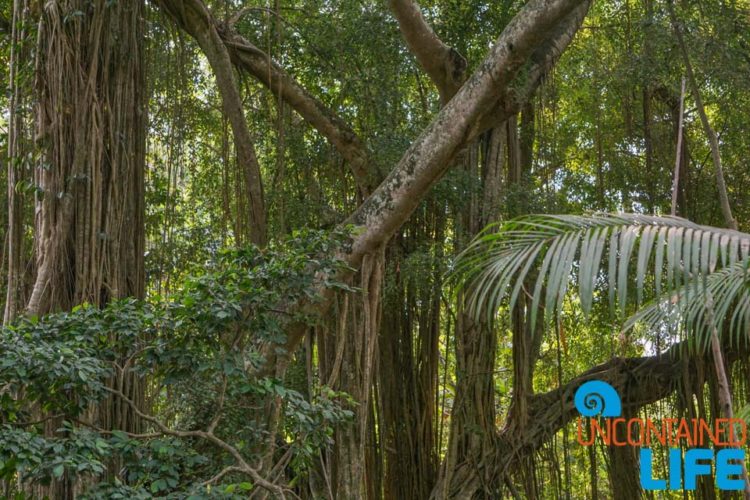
[(538, 34), (467, 469), (91, 126), (90, 209)]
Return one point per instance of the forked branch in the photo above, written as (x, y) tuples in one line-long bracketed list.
[(443, 64)]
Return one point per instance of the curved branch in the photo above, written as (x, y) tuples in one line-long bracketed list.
[(639, 381), (193, 17), (257, 63), (241, 463)]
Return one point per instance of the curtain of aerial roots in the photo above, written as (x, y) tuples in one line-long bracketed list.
[(91, 128), (17, 147), (467, 470), (347, 362), (408, 357)]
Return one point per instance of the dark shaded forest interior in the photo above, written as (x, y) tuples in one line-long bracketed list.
[(372, 249)]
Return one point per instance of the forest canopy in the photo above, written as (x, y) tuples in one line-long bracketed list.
[(371, 248)]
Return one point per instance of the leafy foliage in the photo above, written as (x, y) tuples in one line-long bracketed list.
[(198, 349)]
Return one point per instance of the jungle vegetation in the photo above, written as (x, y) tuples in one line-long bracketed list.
[(366, 248)]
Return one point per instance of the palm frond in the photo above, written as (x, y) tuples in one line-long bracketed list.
[(656, 256), (685, 309), (744, 413)]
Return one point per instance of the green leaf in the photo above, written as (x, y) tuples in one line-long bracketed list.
[(158, 485), (58, 470)]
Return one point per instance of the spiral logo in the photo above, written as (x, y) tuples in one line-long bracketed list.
[(597, 398)]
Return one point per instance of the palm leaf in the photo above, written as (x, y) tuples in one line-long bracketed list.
[(744, 413), (669, 259), (685, 308)]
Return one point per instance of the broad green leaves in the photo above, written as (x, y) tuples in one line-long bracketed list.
[(199, 351)]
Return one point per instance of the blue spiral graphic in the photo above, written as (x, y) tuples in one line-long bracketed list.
[(598, 398)]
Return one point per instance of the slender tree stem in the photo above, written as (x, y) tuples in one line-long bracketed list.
[(713, 140), (725, 396), (678, 154)]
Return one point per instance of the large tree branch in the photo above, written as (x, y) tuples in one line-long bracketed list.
[(193, 17), (250, 58), (443, 64), (538, 66), (430, 155), (639, 381), (257, 63)]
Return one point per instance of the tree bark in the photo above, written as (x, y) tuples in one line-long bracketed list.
[(91, 127), (466, 471), (624, 466), (350, 367)]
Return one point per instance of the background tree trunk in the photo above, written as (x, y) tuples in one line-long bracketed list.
[(467, 469)]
